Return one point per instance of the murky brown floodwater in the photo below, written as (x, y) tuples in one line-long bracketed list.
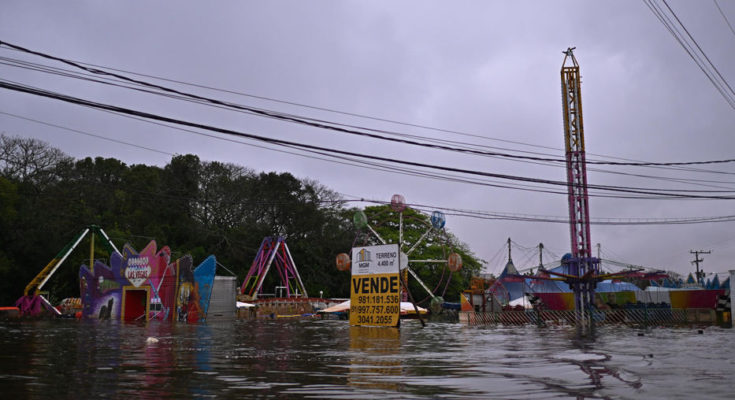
[(291, 359)]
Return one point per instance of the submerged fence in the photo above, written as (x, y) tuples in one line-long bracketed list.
[(632, 317)]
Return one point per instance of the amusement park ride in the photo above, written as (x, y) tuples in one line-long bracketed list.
[(35, 286), (273, 252), (582, 272), (40, 280), (584, 269), (450, 263)]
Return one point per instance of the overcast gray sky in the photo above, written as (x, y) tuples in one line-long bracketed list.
[(487, 69)]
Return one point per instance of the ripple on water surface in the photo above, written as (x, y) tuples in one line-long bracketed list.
[(330, 359)]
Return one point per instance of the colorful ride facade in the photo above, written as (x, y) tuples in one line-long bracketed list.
[(147, 285)]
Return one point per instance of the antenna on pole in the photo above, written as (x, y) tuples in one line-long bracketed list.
[(541, 255)]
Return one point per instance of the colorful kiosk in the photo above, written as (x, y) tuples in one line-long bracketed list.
[(147, 285)]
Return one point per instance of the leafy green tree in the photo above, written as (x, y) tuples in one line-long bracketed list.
[(141, 200), (8, 212), (195, 207)]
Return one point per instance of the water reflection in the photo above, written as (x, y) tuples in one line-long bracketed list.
[(159, 360), (595, 364), (328, 359), (98, 356), (375, 353)]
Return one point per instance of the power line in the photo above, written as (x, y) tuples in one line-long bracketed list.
[(727, 21), (366, 164), (699, 48), (349, 162), (39, 67), (86, 133), (722, 86), (674, 31), (621, 163), (451, 211), (311, 148), (326, 109), (420, 207), (329, 125), (66, 72), (346, 113), (680, 180), (383, 167)]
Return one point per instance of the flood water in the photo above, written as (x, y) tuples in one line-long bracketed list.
[(328, 359)]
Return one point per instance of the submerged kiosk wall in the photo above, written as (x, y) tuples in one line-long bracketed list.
[(147, 285)]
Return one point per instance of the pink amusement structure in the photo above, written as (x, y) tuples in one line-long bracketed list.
[(273, 253)]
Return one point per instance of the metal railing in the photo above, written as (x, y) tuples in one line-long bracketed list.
[(632, 317)]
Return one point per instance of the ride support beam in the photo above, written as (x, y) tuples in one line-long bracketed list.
[(582, 266)]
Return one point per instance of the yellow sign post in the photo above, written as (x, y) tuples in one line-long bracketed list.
[(375, 290)]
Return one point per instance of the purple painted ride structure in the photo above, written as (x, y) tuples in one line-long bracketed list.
[(147, 285), (273, 252)]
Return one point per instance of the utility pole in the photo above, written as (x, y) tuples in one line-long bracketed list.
[(697, 260)]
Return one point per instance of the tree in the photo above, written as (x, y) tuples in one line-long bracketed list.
[(222, 189), (180, 188), (27, 159), (194, 207), (8, 212)]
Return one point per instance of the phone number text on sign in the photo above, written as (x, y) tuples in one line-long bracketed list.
[(375, 300)]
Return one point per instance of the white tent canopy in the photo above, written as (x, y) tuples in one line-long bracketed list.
[(240, 304), (406, 308)]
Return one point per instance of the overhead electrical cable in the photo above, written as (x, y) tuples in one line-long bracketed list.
[(565, 220), (211, 136), (366, 164), (331, 110), (477, 214), (727, 21), (101, 106), (86, 133), (714, 67), (699, 57), (21, 63), (335, 126), (678, 179), (114, 83)]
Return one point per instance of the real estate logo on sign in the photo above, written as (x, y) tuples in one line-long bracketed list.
[(375, 288)]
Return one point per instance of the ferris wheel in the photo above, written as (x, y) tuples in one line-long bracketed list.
[(442, 266)]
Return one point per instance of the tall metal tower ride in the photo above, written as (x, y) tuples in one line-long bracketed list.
[(582, 266)]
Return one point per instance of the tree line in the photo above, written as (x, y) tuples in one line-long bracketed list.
[(195, 207)]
